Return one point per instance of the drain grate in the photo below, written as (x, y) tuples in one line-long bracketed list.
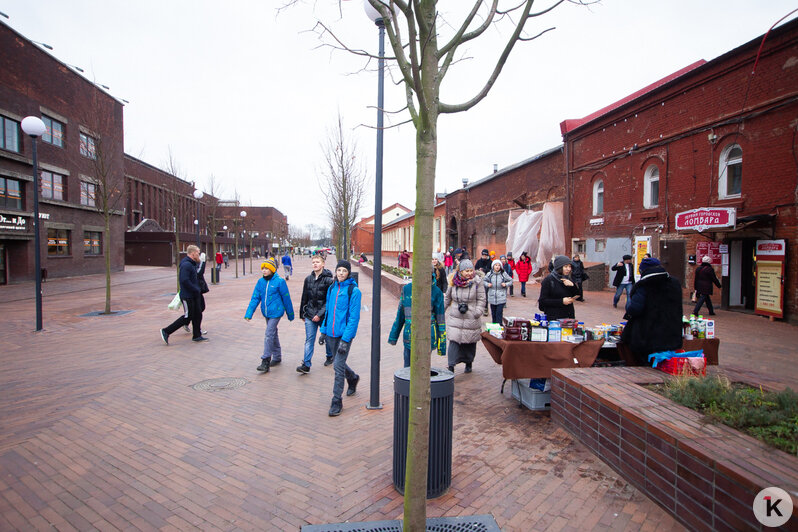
[(222, 383), (470, 523)]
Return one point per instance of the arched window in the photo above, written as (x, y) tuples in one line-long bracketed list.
[(651, 187), (730, 168), (598, 197)]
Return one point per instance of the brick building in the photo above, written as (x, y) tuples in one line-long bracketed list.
[(397, 235), (363, 231), (716, 135), (477, 215), (84, 133)]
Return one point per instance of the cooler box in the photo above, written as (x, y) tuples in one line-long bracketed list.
[(530, 398)]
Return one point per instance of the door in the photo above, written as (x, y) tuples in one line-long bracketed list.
[(736, 292), (3, 273), (671, 255)]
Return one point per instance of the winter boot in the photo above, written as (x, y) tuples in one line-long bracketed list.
[(264, 365), (352, 386), (335, 407)]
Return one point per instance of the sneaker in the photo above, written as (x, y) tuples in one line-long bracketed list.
[(303, 369), (329, 361), (352, 386), (335, 408), (275, 362), (186, 328), (165, 336), (199, 339), (451, 368), (468, 368), (264, 365)]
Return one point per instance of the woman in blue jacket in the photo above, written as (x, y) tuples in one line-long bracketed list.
[(339, 328), (271, 293)]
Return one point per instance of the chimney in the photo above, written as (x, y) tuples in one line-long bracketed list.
[(495, 168)]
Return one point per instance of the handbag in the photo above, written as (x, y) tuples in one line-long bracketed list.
[(175, 304), (694, 296)]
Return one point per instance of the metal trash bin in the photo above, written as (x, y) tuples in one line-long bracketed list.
[(439, 465)]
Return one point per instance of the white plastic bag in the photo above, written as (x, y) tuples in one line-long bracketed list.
[(175, 304)]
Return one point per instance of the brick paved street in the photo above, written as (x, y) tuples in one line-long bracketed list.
[(101, 429)]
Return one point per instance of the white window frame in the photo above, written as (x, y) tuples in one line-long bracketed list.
[(55, 131), (88, 194), (88, 146), (650, 177), (598, 188), (723, 163)]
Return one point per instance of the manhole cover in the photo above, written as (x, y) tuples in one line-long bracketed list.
[(222, 383)]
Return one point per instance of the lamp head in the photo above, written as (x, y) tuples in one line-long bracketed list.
[(243, 214), (33, 126), (198, 194), (372, 13)]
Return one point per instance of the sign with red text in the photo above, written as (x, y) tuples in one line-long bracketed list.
[(708, 249), (706, 218)]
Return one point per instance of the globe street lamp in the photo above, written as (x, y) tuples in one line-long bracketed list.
[(198, 195), (376, 301), (34, 127), (244, 262)]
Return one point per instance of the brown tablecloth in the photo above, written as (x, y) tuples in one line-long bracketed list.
[(710, 347), (535, 360)]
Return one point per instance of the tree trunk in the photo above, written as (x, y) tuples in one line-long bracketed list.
[(107, 246), (177, 257)]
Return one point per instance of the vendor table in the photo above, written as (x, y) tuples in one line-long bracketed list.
[(710, 347), (535, 360)]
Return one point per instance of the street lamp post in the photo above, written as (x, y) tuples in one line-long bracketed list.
[(235, 229), (244, 261), (251, 251), (198, 195), (376, 301), (34, 127)]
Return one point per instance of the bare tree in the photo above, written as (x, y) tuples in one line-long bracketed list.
[(345, 185), (174, 204), (425, 46), (214, 222)]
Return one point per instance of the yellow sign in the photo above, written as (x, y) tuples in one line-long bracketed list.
[(642, 246), (768, 288)]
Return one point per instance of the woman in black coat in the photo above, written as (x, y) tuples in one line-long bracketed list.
[(579, 275), (704, 279), (558, 291)]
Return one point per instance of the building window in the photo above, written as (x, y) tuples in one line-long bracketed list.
[(601, 246), (87, 146), (55, 132), (10, 193), (88, 193), (9, 134), (579, 247), (598, 197), (57, 242), (52, 185), (92, 243), (730, 181), (651, 187)]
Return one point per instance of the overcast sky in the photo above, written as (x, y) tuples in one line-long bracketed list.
[(240, 92)]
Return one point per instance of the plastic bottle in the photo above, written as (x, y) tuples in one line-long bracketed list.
[(702, 328), (693, 326)]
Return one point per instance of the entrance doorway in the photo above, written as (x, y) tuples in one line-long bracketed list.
[(3, 273), (671, 255), (741, 274)]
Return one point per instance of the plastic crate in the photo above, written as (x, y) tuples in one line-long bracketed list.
[(532, 399)]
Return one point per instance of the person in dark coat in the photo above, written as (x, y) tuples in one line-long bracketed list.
[(624, 279), (558, 291), (483, 264), (579, 275), (312, 308), (653, 313), (190, 295), (439, 272), (704, 279)]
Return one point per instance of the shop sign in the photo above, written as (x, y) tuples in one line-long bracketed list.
[(770, 256), (706, 218), (642, 246), (708, 249), (597, 221), (770, 247), (13, 223)]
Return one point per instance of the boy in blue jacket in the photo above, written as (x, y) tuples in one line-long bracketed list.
[(340, 327), (271, 293)]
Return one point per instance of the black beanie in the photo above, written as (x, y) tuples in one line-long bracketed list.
[(344, 264)]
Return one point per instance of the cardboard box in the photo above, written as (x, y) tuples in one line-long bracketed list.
[(532, 399)]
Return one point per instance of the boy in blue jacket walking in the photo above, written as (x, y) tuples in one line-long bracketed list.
[(271, 293), (339, 328)]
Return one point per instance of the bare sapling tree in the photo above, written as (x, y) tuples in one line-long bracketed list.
[(344, 184), (101, 143), (211, 200), (175, 199), (426, 42)]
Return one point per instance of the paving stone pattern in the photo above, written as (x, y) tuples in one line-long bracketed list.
[(100, 427)]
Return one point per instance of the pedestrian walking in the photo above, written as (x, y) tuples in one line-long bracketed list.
[(558, 291), (439, 273), (288, 266), (524, 269), (448, 260), (705, 278), (203, 289), (483, 263), (624, 279), (191, 297), (579, 275), (464, 302), (508, 268), (404, 319), (339, 329), (497, 282), (226, 261), (312, 309), (219, 261), (271, 294)]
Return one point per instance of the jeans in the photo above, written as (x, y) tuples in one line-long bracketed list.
[(192, 313), (311, 328), (497, 312), (406, 354), (342, 370), (619, 291), (700, 302), (271, 341), (523, 288)]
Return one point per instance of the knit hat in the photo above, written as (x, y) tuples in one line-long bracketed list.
[(648, 263), (438, 256), (492, 254), (485, 252), (270, 264), (344, 264), (494, 263), (706, 259), (560, 261), (466, 264)]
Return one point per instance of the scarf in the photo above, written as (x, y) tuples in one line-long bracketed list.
[(457, 280)]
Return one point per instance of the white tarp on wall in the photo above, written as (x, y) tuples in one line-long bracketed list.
[(540, 233)]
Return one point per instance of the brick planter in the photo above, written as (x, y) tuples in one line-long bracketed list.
[(706, 476), (390, 282)]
